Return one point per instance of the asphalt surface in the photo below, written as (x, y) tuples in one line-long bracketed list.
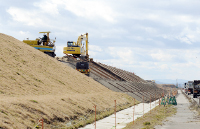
[(184, 118)]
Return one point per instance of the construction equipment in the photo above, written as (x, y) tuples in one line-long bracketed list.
[(186, 88), (196, 88), (44, 44), (79, 50), (83, 67), (190, 88)]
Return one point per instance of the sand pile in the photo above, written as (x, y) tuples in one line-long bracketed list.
[(34, 85)]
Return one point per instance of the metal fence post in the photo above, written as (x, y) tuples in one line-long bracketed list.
[(150, 104), (143, 105), (133, 110), (42, 121), (115, 115), (155, 100), (95, 115)]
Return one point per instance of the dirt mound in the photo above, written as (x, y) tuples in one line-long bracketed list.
[(34, 85)]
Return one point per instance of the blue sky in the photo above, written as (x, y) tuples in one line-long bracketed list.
[(154, 39)]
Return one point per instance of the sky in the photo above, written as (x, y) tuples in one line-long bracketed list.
[(154, 39)]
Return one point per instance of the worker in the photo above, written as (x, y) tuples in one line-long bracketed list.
[(44, 39)]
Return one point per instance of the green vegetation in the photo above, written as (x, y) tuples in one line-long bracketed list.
[(34, 101), (156, 117), (146, 123), (61, 82), (1, 92), (3, 112)]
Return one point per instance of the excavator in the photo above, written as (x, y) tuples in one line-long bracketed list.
[(79, 50), (44, 44)]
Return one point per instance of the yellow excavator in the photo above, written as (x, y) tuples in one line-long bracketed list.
[(44, 44), (79, 50)]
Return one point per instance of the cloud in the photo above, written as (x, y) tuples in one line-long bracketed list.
[(29, 18), (152, 40), (161, 56), (48, 7), (90, 9), (59, 51)]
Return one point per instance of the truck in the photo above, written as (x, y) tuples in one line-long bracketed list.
[(190, 88), (186, 88), (196, 88)]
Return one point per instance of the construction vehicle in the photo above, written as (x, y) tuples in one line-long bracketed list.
[(44, 44), (196, 88), (83, 67), (186, 88), (79, 50), (190, 87)]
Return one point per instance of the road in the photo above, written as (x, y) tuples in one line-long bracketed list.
[(184, 118)]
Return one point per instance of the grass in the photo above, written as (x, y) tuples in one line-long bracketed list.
[(90, 118), (34, 101), (61, 82), (156, 117), (41, 72), (3, 112), (1, 92)]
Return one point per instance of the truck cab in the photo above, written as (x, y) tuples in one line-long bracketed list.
[(196, 88)]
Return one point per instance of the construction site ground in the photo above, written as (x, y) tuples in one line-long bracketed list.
[(185, 118), (120, 80), (35, 85)]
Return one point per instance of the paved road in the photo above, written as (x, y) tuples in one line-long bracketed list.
[(184, 118)]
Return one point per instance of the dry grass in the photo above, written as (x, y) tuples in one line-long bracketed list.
[(156, 117), (34, 85)]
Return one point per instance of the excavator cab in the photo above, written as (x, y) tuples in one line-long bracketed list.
[(72, 44)]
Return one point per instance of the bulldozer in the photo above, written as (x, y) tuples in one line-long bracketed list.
[(79, 50), (44, 44)]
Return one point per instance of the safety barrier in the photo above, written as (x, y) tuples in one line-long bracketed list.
[(169, 99)]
